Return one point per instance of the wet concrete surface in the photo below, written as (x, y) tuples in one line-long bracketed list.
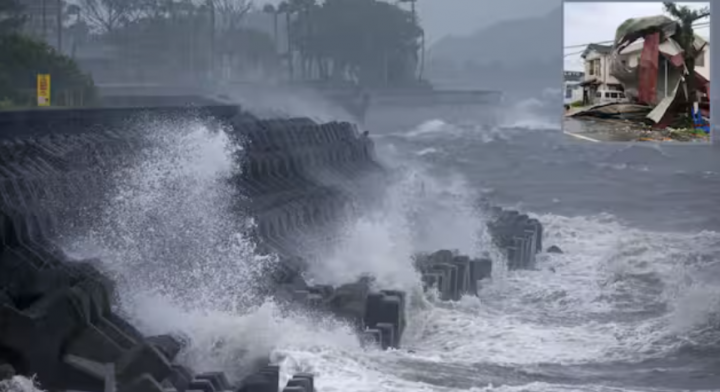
[(602, 130)]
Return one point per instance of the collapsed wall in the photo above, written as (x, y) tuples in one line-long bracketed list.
[(57, 318)]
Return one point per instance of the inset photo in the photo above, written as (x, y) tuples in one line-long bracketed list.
[(637, 71)]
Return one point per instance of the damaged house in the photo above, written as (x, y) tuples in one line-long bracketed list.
[(646, 66)]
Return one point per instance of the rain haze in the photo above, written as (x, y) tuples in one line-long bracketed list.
[(336, 190), (596, 22)]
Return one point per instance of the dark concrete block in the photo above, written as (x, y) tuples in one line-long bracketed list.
[(258, 383), (94, 345), (202, 385), (143, 358), (387, 338), (294, 389), (304, 383), (272, 373), (218, 380), (167, 344), (180, 378), (395, 301), (142, 383), (462, 263), (450, 287), (309, 377), (41, 332), (539, 233)]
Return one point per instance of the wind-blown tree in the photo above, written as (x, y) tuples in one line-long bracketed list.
[(171, 41), (371, 42), (685, 36), (230, 12), (107, 15), (11, 16), (181, 41)]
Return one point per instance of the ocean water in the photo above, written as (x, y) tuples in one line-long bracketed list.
[(631, 305)]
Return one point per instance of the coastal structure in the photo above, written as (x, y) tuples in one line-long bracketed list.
[(299, 179)]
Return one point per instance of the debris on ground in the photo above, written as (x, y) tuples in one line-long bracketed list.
[(631, 120)]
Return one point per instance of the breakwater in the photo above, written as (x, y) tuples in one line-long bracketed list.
[(57, 315)]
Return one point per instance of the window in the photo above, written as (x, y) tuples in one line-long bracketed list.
[(613, 95), (700, 60), (568, 92), (622, 95), (598, 94)]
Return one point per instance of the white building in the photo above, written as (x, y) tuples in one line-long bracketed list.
[(572, 88), (598, 83)]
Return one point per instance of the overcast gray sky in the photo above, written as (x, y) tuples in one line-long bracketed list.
[(596, 22)]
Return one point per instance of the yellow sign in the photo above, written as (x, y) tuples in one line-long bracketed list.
[(43, 89)]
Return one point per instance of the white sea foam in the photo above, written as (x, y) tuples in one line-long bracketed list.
[(581, 306)]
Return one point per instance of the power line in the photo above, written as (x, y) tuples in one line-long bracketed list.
[(698, 25), (574, 53)]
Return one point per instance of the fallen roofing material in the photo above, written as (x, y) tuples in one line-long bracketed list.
[(624, 111), (640, 82)]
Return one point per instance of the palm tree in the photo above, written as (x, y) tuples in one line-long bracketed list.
[(685, 36)]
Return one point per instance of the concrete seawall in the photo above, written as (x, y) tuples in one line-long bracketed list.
[(57, 318)]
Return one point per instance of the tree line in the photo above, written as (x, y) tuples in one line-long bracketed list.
[(368, 43), (365, 42), (373, 43)]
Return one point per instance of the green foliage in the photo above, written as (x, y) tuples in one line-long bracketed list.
[(685, 36), (25, 58), (577, 104), (371, 41)]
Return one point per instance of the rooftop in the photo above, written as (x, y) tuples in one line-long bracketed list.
[(604, 49)]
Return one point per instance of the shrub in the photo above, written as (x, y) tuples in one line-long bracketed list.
[(24, 58)]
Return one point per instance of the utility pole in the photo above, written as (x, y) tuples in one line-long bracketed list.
[(44, 20), (211, 7), (413, 11), (59, 24)]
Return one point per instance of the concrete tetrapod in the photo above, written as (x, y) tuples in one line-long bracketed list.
[(299, 177), (56, 316), (516, 235)]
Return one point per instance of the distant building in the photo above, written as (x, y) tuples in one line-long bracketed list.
[(573, 76), (43, 17), (573, 90)]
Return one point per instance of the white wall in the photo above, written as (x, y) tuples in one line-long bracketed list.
[(604, 77), (633, 51)]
